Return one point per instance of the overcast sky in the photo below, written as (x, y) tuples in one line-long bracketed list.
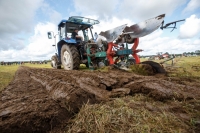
[(25, 23)]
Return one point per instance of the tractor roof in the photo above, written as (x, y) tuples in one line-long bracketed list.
[(79, 20)]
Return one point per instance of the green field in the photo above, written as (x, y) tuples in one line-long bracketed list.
[(184, 67), (7, 72)]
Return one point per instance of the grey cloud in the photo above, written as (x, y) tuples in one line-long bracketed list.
[(11, 44), (190, 28), (133, 10), (16, 16), (192, 6), (41, 55), (52, 14), (102, 8), (143, 9)]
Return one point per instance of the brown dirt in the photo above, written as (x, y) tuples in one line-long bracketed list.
[(43, 100)]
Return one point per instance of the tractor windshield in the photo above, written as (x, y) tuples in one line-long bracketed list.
[(83, 20)]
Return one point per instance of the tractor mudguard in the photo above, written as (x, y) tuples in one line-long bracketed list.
[(69, 40)]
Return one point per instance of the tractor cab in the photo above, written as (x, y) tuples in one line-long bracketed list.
[(84, 25), (66, 27)]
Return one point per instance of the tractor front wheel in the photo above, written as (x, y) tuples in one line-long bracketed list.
[(54, 62), (70, 57)]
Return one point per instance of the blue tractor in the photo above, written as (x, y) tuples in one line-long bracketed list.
[(71, 52), (116, 47)]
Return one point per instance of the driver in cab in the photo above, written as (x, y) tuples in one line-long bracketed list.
[(76, 36)]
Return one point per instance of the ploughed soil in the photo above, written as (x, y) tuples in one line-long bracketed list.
[(44, 100)]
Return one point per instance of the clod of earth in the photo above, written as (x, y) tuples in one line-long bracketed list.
[(39, 100)]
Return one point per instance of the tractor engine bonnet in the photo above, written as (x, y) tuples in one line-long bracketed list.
[(126, 34)]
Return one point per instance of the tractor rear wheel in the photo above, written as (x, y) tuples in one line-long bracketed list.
[(157, 68), (70, 57), (54, 62)]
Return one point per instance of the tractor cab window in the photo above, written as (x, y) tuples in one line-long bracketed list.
[(90, 34), (62, 32), (85, 35), (68, 35)]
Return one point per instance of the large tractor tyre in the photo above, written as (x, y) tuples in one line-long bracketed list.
[(70, 57), (156, 66), (54, 62)]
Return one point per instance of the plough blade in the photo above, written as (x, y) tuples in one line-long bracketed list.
[(144, 28), (112, 34), (135, 31)]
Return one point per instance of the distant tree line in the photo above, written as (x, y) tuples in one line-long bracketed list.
[(23, 62), (38, 62), (197, 52), (12, 63)]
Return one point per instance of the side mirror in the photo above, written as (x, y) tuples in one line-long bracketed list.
[(49, 35)]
